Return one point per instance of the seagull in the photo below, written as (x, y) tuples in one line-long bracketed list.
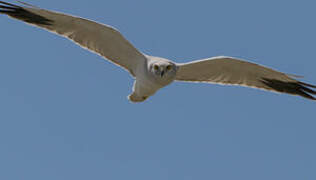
[(153, 73)]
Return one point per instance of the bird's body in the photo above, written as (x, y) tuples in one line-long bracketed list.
[(153, 73), (147, 83)]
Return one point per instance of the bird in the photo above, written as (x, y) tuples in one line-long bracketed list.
[(152, 73)]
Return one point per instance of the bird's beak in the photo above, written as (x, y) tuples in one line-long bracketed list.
[(162, 73)]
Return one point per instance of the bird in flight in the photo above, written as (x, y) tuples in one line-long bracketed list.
[(153, 73)]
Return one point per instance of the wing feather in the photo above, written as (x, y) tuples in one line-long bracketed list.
[(99, 38), (232, 71)]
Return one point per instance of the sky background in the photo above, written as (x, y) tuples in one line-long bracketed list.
[(64, 112)]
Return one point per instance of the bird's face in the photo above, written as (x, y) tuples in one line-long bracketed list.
[(163, 71)]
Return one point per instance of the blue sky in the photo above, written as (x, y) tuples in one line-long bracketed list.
[(64, 112)]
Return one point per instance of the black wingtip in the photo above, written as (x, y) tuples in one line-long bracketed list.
[(9, 4), (21, 13), (295, 88), (309, 85)]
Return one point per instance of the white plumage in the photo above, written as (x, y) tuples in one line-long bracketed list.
[(152, 73)]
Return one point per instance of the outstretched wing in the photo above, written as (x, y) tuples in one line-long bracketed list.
[(232, 71), (101, 39)]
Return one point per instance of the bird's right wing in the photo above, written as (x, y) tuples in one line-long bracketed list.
[(232, 71), (99, 38)]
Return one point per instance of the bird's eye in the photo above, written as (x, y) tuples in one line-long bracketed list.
[(168, 67), (156, 67)]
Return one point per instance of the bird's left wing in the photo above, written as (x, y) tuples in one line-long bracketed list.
[(228, 70), (101, 39)]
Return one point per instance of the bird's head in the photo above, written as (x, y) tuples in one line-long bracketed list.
[(164, 71)]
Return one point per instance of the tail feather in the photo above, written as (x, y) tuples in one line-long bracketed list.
[(135, 98)]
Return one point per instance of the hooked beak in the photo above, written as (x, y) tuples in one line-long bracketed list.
[(162, 73)]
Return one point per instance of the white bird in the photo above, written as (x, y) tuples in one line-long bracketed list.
[(152, 73)]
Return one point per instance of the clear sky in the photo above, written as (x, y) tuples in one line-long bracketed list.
[(64, 112)]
